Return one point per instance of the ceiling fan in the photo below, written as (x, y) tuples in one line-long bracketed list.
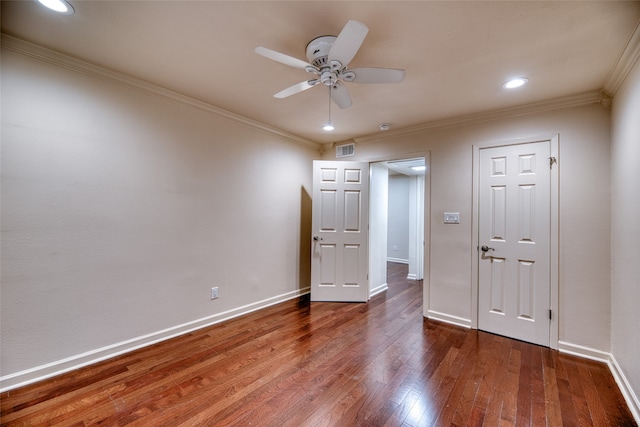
[(329, 57)]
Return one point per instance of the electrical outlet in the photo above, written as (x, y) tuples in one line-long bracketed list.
[(214, 293)]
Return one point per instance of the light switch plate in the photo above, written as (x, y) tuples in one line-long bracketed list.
[(452, 217)]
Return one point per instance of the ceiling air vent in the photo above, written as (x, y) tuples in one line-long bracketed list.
[(345, 150)]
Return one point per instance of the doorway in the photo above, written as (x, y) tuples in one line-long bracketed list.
[(397, 218)]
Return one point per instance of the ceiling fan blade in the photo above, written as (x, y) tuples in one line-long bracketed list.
[(296, 88), (282, 58), (340, 95), (347, 44), (375, 75)]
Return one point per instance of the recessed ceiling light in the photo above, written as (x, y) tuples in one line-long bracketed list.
[(60, 6), (418, 168), (514, 83), (384, 126)]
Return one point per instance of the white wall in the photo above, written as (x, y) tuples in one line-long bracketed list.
[(121, 209), (398, 236), (625, 232), (584, 283), (378, 221)]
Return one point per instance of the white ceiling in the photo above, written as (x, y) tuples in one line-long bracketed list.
[(456, 54)]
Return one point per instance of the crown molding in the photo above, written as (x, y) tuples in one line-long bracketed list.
[(587, 98), (49, 56), (625, 63)]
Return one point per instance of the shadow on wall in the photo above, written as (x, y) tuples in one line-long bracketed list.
[(304, 279)]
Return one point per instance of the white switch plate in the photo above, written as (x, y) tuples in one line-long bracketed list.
[(452, 217)]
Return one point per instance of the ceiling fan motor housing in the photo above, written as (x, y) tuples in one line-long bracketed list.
[(318, 50)]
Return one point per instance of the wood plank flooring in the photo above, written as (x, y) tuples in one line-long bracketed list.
[(330, 364)]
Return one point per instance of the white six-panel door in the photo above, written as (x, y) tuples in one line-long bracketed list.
[(339, 264), (514, 239)]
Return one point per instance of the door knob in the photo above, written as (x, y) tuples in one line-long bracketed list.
[(486, 248), (316, 238)]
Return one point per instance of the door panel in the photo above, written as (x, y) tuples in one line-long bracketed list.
[(340, 231), (514, 227), (352, 212)]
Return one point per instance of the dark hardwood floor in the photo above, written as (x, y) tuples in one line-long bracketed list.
[(330, 364)]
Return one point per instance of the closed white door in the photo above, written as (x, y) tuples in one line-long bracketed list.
[(514, 239), (339, 264)]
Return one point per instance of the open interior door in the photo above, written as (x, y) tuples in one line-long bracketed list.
[(339, 258)]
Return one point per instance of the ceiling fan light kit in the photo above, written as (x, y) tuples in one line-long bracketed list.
[(329, 57), (328, 126), (515, 83)]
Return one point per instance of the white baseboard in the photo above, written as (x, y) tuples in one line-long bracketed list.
[(625, 388), (618, 375), (378, 289), (582, 351), (42, 372), (447, 318), (398, 260)]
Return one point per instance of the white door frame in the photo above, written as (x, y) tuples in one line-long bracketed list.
[(554, 238), (425, 238), (416, 226)]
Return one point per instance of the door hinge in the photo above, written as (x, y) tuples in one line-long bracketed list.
[(552, 160), (550, 313)]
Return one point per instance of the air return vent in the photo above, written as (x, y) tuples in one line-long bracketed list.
[(345, 150)]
